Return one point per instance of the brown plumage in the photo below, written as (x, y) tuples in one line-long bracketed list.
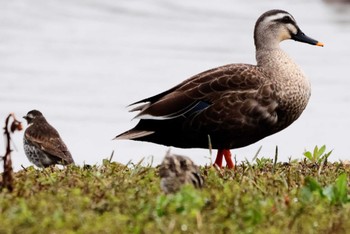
[(42, 143), (236, 104), (176, 171)]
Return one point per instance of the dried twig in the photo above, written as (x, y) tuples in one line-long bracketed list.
[(7, 176)]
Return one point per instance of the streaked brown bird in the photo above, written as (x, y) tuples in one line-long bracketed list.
[(176, 171), (236, 104), (42, 144)]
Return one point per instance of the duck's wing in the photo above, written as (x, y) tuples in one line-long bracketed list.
[(222, 84), (231, 98)]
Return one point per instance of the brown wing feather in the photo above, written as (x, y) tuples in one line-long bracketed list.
[(48, 140), (241, 113), (209, 86), (235, 104)]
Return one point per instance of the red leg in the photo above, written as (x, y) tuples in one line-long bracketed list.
[(228, 158), (219, 156)]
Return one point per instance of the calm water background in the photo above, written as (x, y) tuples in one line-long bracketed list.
[(81, 62)]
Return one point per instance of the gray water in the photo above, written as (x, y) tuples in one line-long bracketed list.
[(81, 62)]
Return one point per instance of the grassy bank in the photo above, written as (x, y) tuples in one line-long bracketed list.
[(259, 197)]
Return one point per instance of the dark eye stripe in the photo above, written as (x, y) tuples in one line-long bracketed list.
[(285, 20)]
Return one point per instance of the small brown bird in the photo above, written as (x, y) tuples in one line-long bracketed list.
[(42, 144), (236, 104), (177, 170)]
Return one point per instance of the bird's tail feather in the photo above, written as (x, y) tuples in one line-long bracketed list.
[(133, 134)]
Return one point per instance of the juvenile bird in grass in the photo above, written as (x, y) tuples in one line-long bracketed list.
[(235, 105), (176, 171), (42, 144)]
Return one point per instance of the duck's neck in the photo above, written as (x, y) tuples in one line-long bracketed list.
[(287, 77), (277, 63)]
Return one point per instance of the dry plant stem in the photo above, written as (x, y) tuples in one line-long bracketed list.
[(8, 170)]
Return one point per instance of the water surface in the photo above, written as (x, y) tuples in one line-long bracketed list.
[(82, 62)]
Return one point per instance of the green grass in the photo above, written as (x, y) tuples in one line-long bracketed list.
[(261, 197)]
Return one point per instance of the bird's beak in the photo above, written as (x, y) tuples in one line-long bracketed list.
[(25, 117), (300, 36)]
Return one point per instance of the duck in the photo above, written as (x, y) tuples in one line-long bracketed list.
[(234, 105), (176, 171)]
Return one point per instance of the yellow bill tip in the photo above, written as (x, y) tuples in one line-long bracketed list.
[(319, 44)]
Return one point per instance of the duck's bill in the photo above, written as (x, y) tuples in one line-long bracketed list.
[(300, 36)]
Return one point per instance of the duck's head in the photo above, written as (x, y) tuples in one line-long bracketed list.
[(275, 26)]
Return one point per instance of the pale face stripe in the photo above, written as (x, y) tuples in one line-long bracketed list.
[(278, 16), (292, 28)]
